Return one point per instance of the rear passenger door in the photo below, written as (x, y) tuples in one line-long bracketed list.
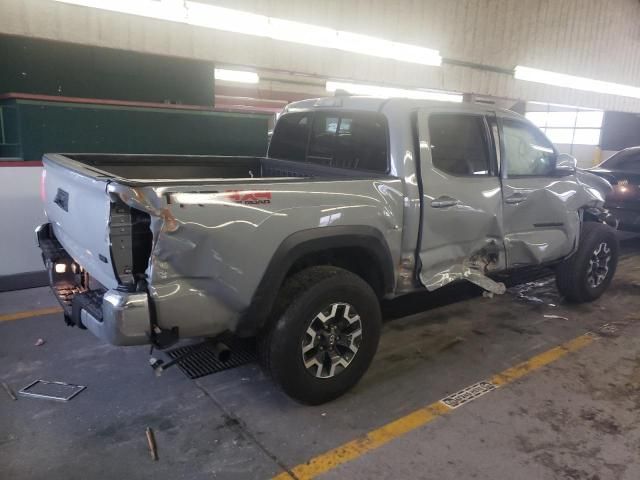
[(539, 226), (461, 197)]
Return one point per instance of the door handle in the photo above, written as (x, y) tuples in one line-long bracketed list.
[(515, 199), (444, 201)]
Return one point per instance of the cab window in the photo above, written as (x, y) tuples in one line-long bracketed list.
[(289, 140), (527, 152), (459, 144), (350, 140)]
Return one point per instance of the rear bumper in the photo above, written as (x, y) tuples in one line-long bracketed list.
[(117, 317), (125, 319)]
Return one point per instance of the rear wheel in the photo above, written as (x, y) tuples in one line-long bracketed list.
[(585, 276), (323, 334)]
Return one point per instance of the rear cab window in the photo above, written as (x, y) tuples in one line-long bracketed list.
[(290, 137), (349, 140)]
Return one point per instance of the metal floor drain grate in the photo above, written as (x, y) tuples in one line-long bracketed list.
[(467, 394), (203, 361)]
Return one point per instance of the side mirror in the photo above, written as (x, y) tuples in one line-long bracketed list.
[(566, 164)]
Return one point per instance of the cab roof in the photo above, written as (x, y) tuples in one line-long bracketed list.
[(397, 104)]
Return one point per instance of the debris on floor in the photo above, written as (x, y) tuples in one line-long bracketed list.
[(557, 317), (151, 440), (39, 342), (48, 390), (608, 329), (540, 292), (7, 389)]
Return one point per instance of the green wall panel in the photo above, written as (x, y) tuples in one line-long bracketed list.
[(30, 65), (67, 127)]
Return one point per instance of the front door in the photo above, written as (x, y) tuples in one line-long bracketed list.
[(461, 233), (541, 224)]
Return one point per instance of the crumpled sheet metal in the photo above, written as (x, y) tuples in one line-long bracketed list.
[(211, 247), (472, 271)]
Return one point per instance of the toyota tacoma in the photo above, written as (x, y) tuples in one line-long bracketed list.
[(357, 200)]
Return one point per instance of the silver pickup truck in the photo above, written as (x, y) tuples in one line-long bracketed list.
[(358, 199)]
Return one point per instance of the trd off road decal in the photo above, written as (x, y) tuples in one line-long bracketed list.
[(250, 197)]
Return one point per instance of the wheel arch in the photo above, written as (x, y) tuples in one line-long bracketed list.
[(362, 250), (598, 214)]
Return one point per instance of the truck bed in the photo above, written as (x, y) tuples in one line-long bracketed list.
[(138, 170)]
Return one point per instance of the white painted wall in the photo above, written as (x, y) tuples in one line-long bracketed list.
[(592, 38), (20, 212)]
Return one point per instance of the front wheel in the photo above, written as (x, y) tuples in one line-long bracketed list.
[(323, 335), (585, 275)]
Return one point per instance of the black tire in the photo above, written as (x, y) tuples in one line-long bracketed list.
[(572, 275), (302, 297)]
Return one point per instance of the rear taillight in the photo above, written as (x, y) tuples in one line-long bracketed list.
[(43, 178)]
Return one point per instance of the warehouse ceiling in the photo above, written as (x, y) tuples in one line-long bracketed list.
[(467, 46)]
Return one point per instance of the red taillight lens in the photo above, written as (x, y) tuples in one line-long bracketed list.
[(43, 177)]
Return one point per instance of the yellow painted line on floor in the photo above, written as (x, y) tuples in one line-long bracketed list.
[(397, 428), (514, 373), (29, 313)]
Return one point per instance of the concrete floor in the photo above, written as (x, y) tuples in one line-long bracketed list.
[(578, 418)]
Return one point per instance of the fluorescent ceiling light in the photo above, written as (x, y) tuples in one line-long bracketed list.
[(238, 21), (388, 92), (240, 76), (576, 83)]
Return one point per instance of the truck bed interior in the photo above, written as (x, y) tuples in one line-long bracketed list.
[(192, 167)]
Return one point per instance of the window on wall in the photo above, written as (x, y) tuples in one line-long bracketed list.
[(567, 125)]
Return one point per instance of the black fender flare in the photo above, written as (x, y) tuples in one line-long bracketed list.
[(303, 243)]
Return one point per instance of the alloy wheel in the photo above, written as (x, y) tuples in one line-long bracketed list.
[(332, 340), (599, 265)]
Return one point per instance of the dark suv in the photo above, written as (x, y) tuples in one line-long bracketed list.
[(622, 170)]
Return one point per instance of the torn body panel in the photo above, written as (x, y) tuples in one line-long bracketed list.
[(544, 225), (212, 246), (462, 230), (478, 213)]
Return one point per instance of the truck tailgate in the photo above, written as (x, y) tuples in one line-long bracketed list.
[(78, 208)]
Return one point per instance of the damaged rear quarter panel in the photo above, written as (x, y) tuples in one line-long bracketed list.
[(212, 246)]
